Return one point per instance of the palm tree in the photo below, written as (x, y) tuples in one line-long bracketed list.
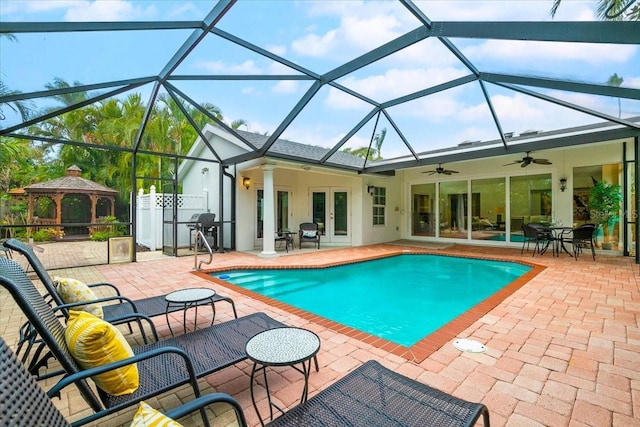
[(611, 10), (370, 153), (378, 139), (616, 81), (24, 108), (67, 98)]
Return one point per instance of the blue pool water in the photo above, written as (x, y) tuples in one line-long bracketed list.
[(502, 237), (401, 298)]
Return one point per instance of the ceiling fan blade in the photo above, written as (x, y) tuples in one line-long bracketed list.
[(429, 172), (513, 163), (446, 172), (453, 172), (525, 164), (542, 161)]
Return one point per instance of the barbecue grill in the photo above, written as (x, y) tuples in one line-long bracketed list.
[(204, 222)]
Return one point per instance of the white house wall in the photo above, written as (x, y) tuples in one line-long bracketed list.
[(563, 161), (398, 188), (299, 183)]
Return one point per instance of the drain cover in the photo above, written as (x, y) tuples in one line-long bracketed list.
[(469, 346)]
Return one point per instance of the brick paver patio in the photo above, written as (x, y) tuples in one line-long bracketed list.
[(562, 350)]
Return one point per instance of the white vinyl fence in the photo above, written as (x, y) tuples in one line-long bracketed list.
[(149, 213)]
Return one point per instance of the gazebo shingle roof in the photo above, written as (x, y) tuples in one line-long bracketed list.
[(72, 181)]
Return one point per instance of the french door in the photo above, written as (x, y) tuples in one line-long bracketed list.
[(282, 211), (331, 210)]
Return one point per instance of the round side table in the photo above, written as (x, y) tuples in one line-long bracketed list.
[(188, 298), (282, 347)]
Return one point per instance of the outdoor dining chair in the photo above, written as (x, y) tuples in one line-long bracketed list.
[(162, 365), (581, 237), (370, 395), (538, 234)]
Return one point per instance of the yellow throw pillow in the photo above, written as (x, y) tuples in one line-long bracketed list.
[(94, 342), (146, 416), (72, 290)]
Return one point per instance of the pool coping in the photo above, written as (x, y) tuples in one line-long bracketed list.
[(419, 351)]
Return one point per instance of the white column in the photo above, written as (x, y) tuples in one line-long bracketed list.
[(138, 213), (155, 230), (269, 223)]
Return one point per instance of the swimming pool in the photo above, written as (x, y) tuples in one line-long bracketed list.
[(401, 298)]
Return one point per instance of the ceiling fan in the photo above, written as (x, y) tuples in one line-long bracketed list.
[(440, 170), (527, 160)]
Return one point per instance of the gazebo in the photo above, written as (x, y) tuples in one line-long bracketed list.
[(69, 200)]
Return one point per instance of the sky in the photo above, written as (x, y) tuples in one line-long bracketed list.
[(320, 36)]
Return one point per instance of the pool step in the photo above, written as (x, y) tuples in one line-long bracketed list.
[(267, 286)]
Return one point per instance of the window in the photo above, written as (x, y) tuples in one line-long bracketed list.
[(379, 205)]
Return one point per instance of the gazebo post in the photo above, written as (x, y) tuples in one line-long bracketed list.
[(94, 202), (58, 201)]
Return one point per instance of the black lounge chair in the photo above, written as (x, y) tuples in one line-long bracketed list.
[(370, 395), (151, 306), (162, 365), (24, 403)]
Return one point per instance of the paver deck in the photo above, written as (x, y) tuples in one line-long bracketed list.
[(562, 350)]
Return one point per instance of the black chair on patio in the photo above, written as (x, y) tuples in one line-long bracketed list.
[(582, 237), (309, 232), (116, 306), (370, 395), (286, 237), (24, 403), (120, 305), (539, 234), (162, 365)]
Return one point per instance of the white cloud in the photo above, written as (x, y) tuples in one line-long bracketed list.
[(107, 10), (361, 26), (392, 84), (632, 82), (279, 50), (286, 86), (499, 10), (184, 9), (314, 45), (221, 67), (549, 52), (44, 6)]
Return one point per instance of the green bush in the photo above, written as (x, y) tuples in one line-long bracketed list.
[(101, 236), (45, 234)]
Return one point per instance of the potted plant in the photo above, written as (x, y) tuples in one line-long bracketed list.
[(604, 207)]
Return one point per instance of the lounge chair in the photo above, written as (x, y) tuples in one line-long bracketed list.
[(23, 402), (151, 306), (162, 365), (370, 395), (309, 233)]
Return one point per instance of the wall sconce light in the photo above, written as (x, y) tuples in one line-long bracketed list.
[(563, 184), (370, 189), (246, 182)]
